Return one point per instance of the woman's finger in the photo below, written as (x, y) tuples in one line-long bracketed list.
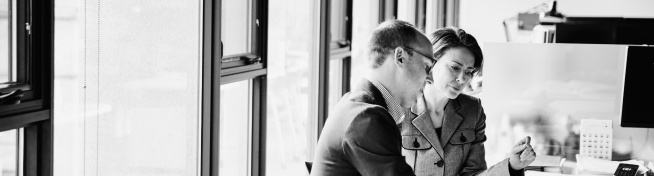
[(523, 141), (527, 151), (518, 149), (529, 155)]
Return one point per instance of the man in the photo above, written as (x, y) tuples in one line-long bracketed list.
[(361, 137)]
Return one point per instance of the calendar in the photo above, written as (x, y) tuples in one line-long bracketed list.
[(596, 138)]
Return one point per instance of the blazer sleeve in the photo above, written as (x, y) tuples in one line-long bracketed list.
[(475, 164), (372, 144)]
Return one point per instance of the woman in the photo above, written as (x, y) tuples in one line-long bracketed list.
[(444, 133)]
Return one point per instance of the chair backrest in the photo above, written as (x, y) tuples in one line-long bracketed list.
[(308, 164)]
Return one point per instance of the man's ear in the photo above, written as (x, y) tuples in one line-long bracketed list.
[(400, 56)]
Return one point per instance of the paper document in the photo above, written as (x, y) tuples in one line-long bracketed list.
[(594, 165), (545, 160)]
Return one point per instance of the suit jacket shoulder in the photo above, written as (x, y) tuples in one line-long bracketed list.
[(470, 109), (469, 102), (360, 138)]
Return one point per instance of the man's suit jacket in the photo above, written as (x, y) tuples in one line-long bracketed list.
[(460, 148), (360, 138)]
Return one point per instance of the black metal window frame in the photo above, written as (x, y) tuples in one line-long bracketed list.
[(252, 66), (219, 70), (28, 76), (35, 77), (236, 64), (334, 49)]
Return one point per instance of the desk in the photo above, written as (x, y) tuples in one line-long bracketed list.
[(568, 168), (537, 173)]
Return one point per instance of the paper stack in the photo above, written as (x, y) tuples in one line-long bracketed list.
[(547, 163)]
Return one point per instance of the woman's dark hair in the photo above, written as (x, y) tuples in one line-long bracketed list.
[(446, 38)]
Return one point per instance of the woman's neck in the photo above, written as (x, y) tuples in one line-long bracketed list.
[(436, 103)]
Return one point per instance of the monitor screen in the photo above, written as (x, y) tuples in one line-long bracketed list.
[(637, 108)]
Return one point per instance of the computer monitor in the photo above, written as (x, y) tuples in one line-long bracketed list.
[(637, 108)]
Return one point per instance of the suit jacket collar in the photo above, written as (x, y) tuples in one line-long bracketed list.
[(423, 123), (376, 95), (451, 120)]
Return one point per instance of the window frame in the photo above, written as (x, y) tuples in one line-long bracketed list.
[(23, 81), (35, 75), (216, 72), (253, 60), (340, 49), (257, 72), (28, 76)]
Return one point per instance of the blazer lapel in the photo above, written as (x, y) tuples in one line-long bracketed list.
[(451, 121), (424, 125)]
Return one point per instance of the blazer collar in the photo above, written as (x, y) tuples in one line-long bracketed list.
[(451, 120), (377, 97), (423, 123)]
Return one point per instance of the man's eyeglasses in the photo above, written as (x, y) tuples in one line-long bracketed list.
[(430, 66)]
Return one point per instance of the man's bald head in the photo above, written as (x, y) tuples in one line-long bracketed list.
[(390, 35)]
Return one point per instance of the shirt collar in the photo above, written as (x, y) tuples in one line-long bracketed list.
[(393, 105)]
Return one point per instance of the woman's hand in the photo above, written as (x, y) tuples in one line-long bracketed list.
[(522, 154)]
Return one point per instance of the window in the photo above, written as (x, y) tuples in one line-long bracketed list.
[(241, 36), (17, 66), (25, 87), (235, 128), (235, 117), (387, 10), (364, 22), (127, 87), (338, 79), (12, 73), (9, 141), (429, 15), (293, 75), (340, 49), (6, 70), (236, 33), (413, 11)]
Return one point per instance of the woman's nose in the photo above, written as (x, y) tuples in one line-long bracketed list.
[(461, 78)]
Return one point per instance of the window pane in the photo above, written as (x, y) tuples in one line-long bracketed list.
[(8, 152), (292, 86), (5, 39), (236, 26), (335, 81), (126, 90), (365, 20), (235, 129), (338, 20), (421, 8), (412, 11)]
